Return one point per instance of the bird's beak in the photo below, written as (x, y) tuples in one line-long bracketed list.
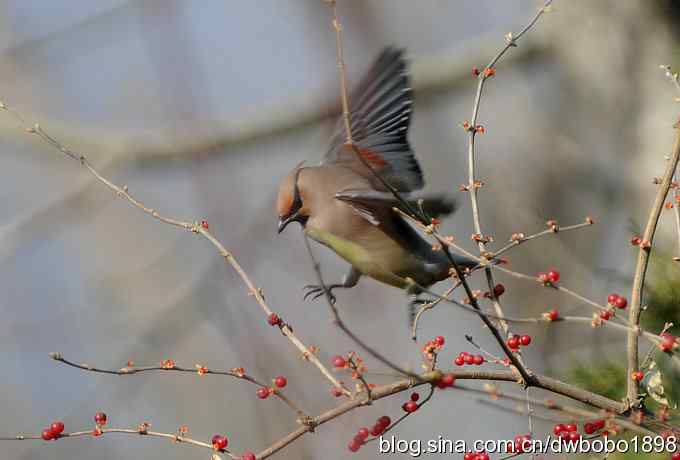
[(284, 221)]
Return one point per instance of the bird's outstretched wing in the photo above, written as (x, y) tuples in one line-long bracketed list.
[(372, 204), (380, 116)]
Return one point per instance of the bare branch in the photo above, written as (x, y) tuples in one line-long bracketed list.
[(641, 270)]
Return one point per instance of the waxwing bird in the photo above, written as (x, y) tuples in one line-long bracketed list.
[(344, 206)]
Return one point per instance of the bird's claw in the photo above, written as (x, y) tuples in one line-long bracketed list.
[(314, 291)]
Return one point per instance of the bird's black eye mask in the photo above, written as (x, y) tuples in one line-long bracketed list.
[(293, 215)]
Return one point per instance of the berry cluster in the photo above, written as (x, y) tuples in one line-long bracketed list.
[(412, 404), (516, 341), (480, 455), (466, 358), (617, 301), (220, 442), (567, 431), (431, 348), (549, 278), (53, 431), (378, 428), (279, 382)]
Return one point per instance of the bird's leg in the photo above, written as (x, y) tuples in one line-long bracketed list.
[(314, 291), (415, 302)]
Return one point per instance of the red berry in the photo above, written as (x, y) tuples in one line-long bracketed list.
[(598, 424), (358, 439), (338, 361), (274, 319), (525, 340), (384, 421), (337, 392), (204, 224), (675, 456), (263, 393), (47, 434), (354, 445), (220, 442), (415, 397), (611, 298), (638, 376), (280, 381), (543, 277), (248, 455), (553, 276), (475, 73), (621, 302), (469, 456), (469, 359), (482, 456), (377, 429), (447, 380), (478, 360), (459, 361), (363, 433), (668, 342), (605, 315), (559, 429), (513, 342), (100, 418), (498, 290), (571, 427), (410, 406), (589, 428), (553, 315), (57, 428), (439, 341), (635, 241)]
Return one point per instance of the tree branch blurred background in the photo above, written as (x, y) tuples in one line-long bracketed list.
[(201, 108)]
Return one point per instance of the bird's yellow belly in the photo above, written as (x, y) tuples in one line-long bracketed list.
[(374, 262)]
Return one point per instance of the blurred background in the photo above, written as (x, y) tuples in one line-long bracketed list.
[(201, 108)]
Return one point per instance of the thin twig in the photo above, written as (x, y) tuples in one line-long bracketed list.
[(141, 431), (472, 131), (170, 366), (519, 238)]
